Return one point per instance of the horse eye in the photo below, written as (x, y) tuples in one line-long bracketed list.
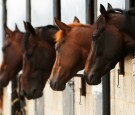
[(29, 52)]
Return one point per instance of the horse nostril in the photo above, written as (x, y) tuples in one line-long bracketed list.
[(33, 92), (91, 77), (53, 84)]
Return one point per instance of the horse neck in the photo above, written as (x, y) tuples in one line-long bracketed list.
[(48, 50), (84, 40), (125, 23), (47, 41)]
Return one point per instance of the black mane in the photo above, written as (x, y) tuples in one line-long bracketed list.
[(117, 11), (44, 32), (47, 32)]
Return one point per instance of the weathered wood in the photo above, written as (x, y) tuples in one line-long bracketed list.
[(68, 99)]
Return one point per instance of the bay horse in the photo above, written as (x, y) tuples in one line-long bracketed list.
[(73, 43), (12, 56), (38, 59), (113, 38)]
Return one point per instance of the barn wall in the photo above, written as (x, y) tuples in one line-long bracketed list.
[(53, 102), (91, 104), (123, 98)]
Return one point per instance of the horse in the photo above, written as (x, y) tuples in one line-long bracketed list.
[(72, 47), (12, 56), (38, 59), (113, 38)]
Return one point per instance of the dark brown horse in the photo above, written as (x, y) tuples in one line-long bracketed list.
[(72, 48), (113, 38), (12, 56), (38, 59)]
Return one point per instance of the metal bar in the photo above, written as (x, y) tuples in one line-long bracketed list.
[(132, 3), (106, 94), (4, 18), (57, 9), (121, 67), (83, 87), (28, 10), (4, 24), (90, 11)]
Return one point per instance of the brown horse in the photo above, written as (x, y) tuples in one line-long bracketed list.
[(12, 56), (113, 39), (38, 59), (72, 48)]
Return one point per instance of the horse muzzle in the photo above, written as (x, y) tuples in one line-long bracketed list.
[(92, 79), (33, 94), (55, 85)]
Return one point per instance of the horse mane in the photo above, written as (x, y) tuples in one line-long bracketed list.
[(59, 35), (47, 32), (25, 41), (43, 33), (116, 11)]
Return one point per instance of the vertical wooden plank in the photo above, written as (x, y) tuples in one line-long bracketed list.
[(68, 99), (39, 106)]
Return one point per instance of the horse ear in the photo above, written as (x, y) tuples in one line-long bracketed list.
[(104, 12), (109, 6), (76, 20), (30, 28), (8, 31), (25, 26), (16, 28), (62, 25)]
